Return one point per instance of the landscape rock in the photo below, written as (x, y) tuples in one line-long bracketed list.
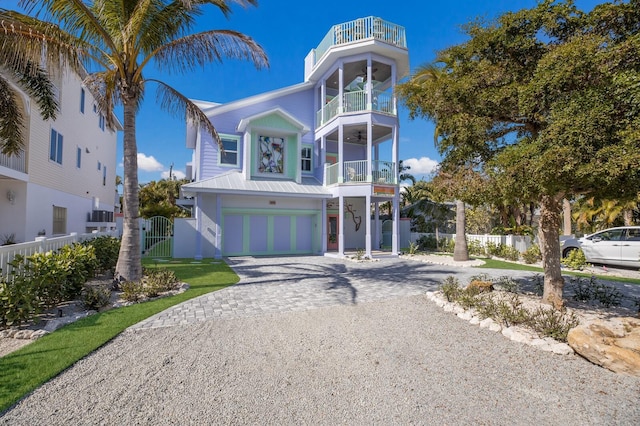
[(611, 343), (482, 286)]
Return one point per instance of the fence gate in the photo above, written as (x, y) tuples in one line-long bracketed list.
[(157, 237)]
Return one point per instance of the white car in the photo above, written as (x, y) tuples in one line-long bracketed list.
[(614, 246)]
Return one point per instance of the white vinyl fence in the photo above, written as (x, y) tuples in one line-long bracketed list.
[(520, 242), (43, 245)]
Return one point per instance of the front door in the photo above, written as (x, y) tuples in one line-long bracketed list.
[(332, 232)]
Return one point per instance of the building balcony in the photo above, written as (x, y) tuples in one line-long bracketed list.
[(370, 28), (355, 172), (356, 101), (14, 162)]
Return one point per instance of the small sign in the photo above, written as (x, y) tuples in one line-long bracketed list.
[(384, 191)]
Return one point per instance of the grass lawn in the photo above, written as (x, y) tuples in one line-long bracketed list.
[(500, 264), (28, 368)]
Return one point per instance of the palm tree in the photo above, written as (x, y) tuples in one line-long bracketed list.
[(20, 70), (119, 40)]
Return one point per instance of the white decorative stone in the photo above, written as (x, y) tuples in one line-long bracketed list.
[(38, 334), (448, 307), (23, 334), (495, 327), (458, 309), (475, 320), (561, 349), (486, 323), (465, 315)]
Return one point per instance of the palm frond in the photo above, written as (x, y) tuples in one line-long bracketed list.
[(10, 120), (197, 50), (39, 87), (103, 86), (180, 106)]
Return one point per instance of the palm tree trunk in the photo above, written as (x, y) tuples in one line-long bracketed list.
[(549, 235), (460, 251), (129, 266)]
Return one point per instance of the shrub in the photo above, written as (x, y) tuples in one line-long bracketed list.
[(447, 245), (553, 323), (451, 288), (413, 247), (19, 301), (575, 260), (106, 250), (95, 296), (427, 243), (532, 254), (508, 284), (132, 291), (587, 290), (476, 247), (508, 252)]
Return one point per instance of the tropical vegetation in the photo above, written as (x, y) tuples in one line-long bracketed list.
[(540, 104), (115, 42)]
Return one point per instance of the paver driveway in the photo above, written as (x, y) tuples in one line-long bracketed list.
[(279, 284)]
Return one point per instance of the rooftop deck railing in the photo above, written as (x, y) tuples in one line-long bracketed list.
[(361, 29)]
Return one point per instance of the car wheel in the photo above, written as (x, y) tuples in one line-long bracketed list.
[(568, 250)]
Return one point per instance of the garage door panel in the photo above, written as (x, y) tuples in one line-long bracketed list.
[(233, 233), (259, 235), (304, 234), (282, 233)]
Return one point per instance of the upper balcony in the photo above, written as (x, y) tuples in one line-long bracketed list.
[(370, 34), (14, 163), (356, 172)]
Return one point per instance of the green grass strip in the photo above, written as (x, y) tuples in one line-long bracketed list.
[(26, 369), (500, 264)]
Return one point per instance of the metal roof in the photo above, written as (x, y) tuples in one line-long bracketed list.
[(233, 182)]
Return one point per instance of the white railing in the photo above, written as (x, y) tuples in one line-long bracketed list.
[(331, 174), (14, 162), (362, 29), (356, 101), (42, 245), (356, 172)]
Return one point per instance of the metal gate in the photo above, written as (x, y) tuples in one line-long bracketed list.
[(157, 237)]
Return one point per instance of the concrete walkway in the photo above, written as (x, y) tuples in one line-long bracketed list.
[(286, 284)]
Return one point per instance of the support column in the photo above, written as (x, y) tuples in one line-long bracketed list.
[(369, 149), (340, 153), (323, 218), (340, 89), (198, 212), (395, 240), (368, 227), (376, 224), (341, 227), (218, 237)]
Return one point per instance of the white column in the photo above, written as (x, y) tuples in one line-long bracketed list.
[(340, 153), (218, 237), (341, 226), (323, 218), (246, 154), (376, 224), (394, 153), (299, 157), (340, 90), (323, 101), (369, 86), (368, 226), (369, 150), (198, 212), (396, 224)]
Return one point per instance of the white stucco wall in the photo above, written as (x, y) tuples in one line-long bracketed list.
[(184, 237), (12, 217)]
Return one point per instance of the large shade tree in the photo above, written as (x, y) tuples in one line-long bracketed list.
[(547, 101), (117, 41)]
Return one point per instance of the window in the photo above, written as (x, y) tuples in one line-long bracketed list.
[(82, 100), (230, 154), (104, 176), (55, 147), (99, 165), (306, 159), (271, 155), (101, 121), (59, 220), (78, 157)]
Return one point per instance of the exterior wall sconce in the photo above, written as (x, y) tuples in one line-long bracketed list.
[(11, 196)]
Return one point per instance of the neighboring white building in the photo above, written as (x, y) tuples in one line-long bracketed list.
[(64, 180)]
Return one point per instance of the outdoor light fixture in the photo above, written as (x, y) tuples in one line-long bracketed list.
[(11, 196)]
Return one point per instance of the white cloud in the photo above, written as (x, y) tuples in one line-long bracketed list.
[(421, 166), (177, 174), (149, 164)]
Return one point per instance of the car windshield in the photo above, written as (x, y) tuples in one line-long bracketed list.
[(610, 235)]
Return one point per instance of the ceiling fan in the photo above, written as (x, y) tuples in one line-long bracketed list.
[(357, 137), (364, 73)]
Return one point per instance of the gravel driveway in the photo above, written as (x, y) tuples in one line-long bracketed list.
[(313, 340)]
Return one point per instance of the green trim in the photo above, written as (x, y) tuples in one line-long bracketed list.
[(246, 226), (276, 212), (238, 140), (293, 233), (270, 230), (276, 122)]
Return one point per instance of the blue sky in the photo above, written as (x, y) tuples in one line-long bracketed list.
[(288, 31)]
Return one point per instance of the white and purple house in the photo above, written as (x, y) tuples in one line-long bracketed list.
[(303, 168)]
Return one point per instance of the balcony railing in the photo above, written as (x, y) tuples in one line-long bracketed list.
[(14, 162), (355, 172), (356, 101), (361, 29)]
